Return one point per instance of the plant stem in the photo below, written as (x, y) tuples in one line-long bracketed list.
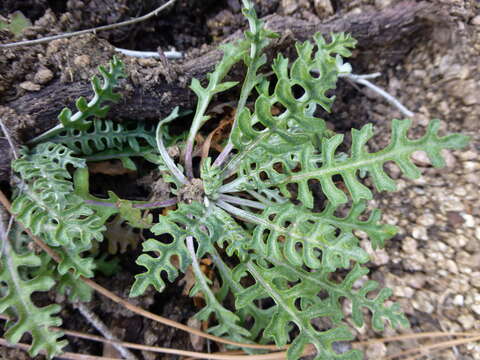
[(47, 134), (231, 186), (174, 170), (231, 56), (241, 201), (138, 205), (197, 122), (247, 87), (241, 214)]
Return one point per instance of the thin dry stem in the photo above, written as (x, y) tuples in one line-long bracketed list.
[(98, 324), (9, 139), (424, 349), (92, 30), (199, 355), (65, 355)]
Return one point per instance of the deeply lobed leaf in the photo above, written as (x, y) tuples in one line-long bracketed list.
[(103, 92), (297, 124), (323, 166), (16, 292), (48, 206), (300, 304), (106, 135)]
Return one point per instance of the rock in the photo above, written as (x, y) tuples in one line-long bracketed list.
[(452, 203), (419, 233), (466, 90), (476, 309), (30, 86), (468, 155), (451, 266), (323, 8), (409, 245), (380, 257), (475, 279), (417, 281), (415, 263), (426, 220), (393, 170), (43, 76), (467, 261), (403, 291), (458, 300), (420, 158), (376, 351), (454, 218), (450, 160), (467, 321), (471, 166), (422, 302), (234, 5), (460, 191), (469, 220)]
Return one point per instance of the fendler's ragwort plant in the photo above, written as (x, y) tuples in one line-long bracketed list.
[(251, 210)]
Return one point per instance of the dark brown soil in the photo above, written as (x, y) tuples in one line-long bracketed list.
[(432, 265)]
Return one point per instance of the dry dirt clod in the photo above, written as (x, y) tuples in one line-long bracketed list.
[(82, 60), (381, 4), (43, 76), (323, 8), (30, 86), (290, 7)]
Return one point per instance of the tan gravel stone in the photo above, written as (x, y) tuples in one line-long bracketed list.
[(467, 321)]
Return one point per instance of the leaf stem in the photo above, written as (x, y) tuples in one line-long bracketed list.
[(241, 214), (174, 170), (197, 122), (47, 134), (138, 205), (232, 186), (241, 201)]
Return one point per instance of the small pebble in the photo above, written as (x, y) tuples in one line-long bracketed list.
[(458, 300)]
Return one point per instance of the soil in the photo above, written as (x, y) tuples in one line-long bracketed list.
[(432, 265)]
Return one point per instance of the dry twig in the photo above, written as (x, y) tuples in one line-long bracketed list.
[(92, 30)]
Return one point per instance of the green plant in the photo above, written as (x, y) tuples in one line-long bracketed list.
[(251, 211), (16, 23)]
